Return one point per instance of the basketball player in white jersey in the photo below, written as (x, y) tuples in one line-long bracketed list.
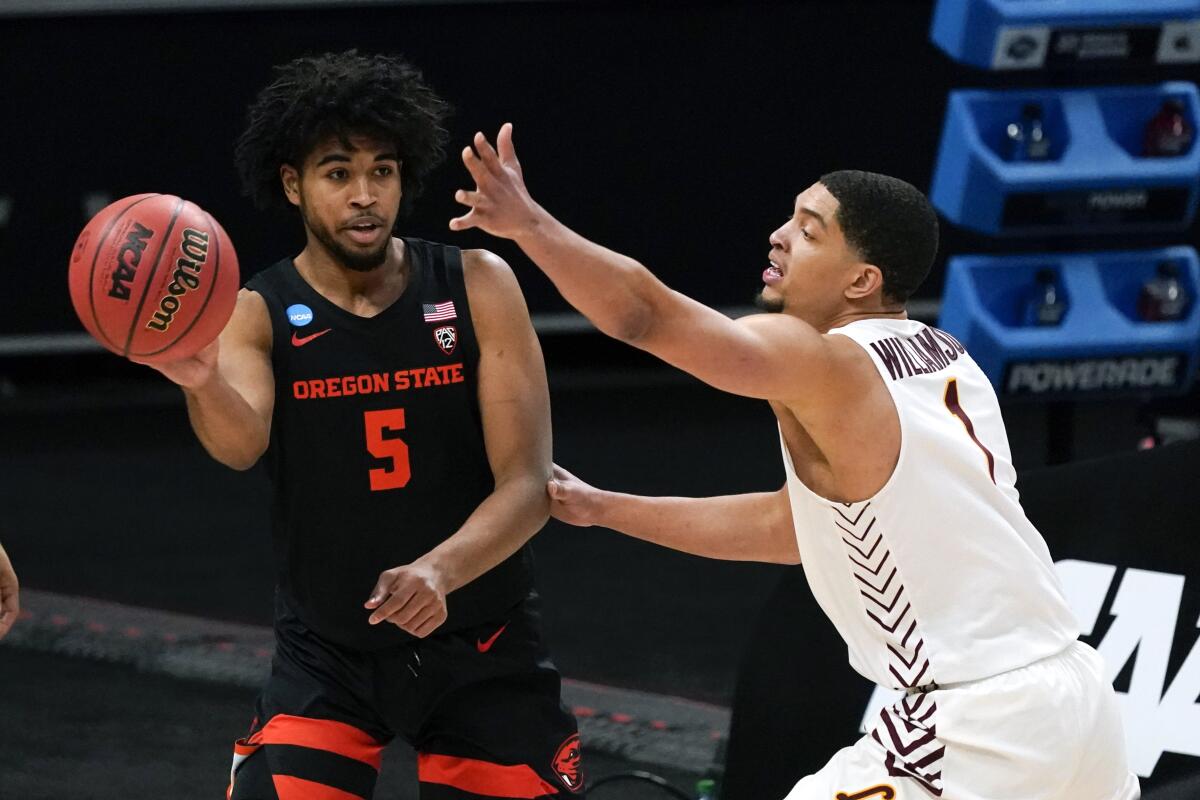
[(899, 501)]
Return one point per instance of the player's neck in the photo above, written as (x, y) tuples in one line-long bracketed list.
[(846, 316), (331, 278)]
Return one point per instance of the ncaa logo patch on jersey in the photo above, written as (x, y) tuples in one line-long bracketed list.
[(446, 338), (299, 315)]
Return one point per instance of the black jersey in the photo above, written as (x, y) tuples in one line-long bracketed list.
[(376, 453)]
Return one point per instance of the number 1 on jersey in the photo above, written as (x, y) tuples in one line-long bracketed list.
[(384, 478), (952, 403)]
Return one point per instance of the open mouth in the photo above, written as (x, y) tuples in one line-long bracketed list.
[(772, 274), (364, 232)]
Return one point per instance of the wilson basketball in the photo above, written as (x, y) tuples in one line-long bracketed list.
[(153, 277)]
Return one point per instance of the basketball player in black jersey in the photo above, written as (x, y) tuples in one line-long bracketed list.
[(397, 392)]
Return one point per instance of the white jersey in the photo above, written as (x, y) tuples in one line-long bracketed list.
[(939, 578)]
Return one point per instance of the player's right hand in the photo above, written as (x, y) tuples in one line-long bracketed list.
[(193, 371), (500, 203), (10, 597), (571, 500)]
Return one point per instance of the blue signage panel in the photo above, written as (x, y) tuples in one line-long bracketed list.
[(1036, 34), (1048, 161), (1078, 325)]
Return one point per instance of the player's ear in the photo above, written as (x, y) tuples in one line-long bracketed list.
[(289, 176), (868, 279)]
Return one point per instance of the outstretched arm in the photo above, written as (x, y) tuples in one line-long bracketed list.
[(739, 527), (772, 356)]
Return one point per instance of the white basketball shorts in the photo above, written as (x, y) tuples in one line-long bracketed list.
[(1048, 731)]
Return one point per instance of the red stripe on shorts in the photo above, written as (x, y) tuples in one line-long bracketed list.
[(292, 788), (482, 777), (323, 734)]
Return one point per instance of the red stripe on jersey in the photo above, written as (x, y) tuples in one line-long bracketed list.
[(482, 777), (323, 734), (289, 787)]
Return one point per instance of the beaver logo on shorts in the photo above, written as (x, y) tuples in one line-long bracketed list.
[(880, 792), (566, 764), (446, 337)]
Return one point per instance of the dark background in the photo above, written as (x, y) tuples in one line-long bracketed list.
[(677, 132)]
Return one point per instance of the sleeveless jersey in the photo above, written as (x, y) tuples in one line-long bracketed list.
[(376, 452), (940, 577)]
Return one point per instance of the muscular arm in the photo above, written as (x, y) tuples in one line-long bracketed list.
[(740, 527), (514, 403), (230, 387), (770, 356)]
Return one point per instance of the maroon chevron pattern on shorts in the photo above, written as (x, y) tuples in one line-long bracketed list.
[(906, 730)]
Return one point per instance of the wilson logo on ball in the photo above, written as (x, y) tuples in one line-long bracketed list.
[(128, 258), (194, 252)]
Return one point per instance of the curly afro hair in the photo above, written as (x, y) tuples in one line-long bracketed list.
[(891, 225), (343, 95)]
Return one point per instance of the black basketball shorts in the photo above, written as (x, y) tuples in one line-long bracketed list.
[(481, 707)]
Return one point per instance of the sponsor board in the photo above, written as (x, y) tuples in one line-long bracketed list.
[(1038, 46), (1096, 375)]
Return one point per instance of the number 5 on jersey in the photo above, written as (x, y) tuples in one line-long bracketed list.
[(377, 423)]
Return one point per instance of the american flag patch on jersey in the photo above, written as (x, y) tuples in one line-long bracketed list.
[(437, 312)]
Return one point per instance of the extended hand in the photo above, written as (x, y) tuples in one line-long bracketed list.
[(411, 597), (571, 500), (500, 204), (192, 371), (10, 598)]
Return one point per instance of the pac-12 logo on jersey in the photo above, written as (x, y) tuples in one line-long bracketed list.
[(446, 337)]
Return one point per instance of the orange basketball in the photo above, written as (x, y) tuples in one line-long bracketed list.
[(153, 277)]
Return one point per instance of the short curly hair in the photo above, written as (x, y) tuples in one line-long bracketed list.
[(890, 223), (343, 95)]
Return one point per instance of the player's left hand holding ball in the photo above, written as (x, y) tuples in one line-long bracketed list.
[(412, 597)]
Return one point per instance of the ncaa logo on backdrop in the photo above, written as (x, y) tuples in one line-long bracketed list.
[(299, 315)]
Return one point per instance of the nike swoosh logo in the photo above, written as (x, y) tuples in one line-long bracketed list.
[(483, 647), (300, 341)]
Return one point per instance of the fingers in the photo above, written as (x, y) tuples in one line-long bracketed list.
[(407, 601), (468, 220), (418, 619), (561, 474), (428, 624), (474, 165), (383, 587), (504, 144), (392, 605), (487, 153)]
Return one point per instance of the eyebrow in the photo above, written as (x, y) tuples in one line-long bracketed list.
[(811, 213), (340, 156)]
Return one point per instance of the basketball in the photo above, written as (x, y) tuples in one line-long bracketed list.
[(153, 277)]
